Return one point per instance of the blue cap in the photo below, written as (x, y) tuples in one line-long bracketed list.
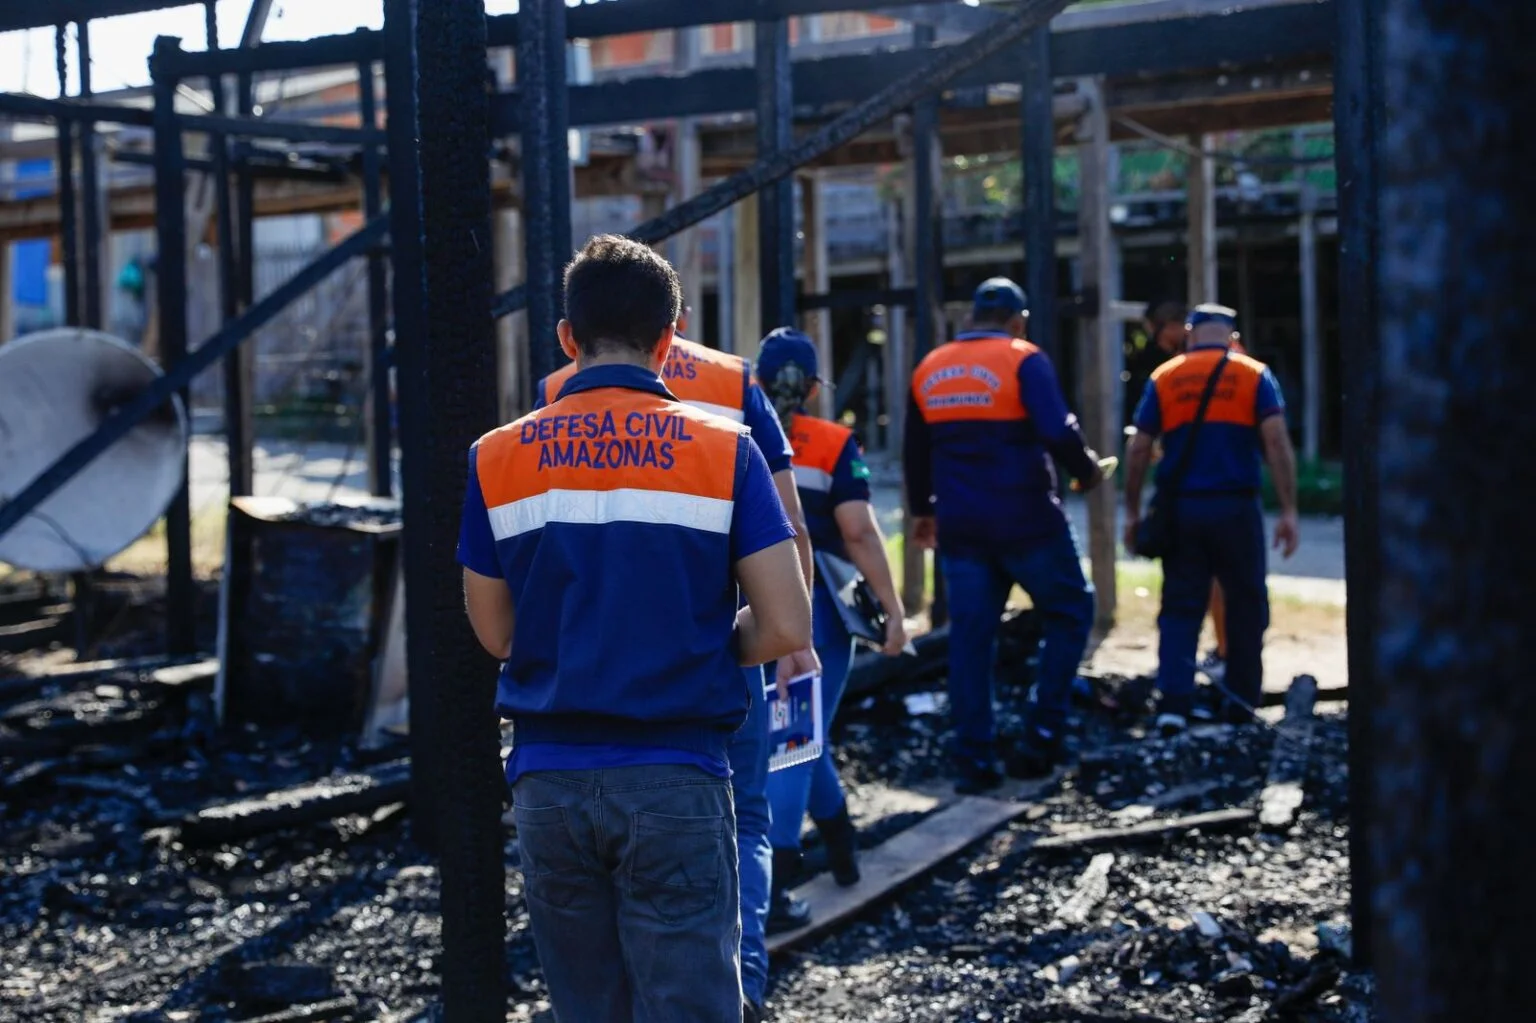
[(1211, 313), (784, 346), (1000, 295)]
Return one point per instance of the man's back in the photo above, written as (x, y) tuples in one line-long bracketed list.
[(1228, 455), (989, 413), (612, 512)]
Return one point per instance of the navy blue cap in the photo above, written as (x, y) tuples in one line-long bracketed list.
[(784, 346), (1211, 313), (999, 294)]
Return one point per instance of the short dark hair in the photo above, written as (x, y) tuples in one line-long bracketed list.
[(620, 294)]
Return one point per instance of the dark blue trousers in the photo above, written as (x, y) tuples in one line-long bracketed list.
[(1220, 537)]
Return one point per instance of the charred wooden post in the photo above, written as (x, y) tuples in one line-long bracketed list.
[(1454, 771)]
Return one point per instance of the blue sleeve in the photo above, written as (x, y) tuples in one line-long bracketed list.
[(1149, 413), (477, 545), (539, 390), (917, 461), (758, 520), (850, 477), (1269, 401), (1048, 410), (766, 429)]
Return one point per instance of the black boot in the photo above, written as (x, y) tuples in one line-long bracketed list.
[(785, 912), (841, 842)]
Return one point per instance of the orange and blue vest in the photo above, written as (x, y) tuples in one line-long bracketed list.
[(714, 381), (616, 515), (1228, 455), (986, 416), (829, 471)]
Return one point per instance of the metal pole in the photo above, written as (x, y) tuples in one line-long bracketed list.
[(776, 202), (1455, 769), (66, 176), (927, 263), (237, 383), (451, 376), (380, 441), (245, 201), (1358, 117), (90, 190), (545, 158), (171, 278), (1039, 164)]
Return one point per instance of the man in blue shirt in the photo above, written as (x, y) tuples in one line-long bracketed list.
[(986, 417), (603, 541), (1218, 522)]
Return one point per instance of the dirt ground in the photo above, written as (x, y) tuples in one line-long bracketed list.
[(1304, 637)]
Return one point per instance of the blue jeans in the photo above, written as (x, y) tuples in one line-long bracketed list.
[(631, 881), (1222, 538), (748, 755), (815, 785), (1052, 575)]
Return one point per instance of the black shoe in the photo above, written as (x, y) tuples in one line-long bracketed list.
[(1035, 756), (975, 776), (841, 842), (751, 1013), (785, 912)]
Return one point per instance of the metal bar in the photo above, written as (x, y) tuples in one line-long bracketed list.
[(245, 196), (545, 155), (452, 375), (776, 202), (1454, 600), (288, 131), (68, 235), (860, 299), (171, 280), (90, 191), (594, 21), (39, 108), (18, 14), (238, 425), (322, 51), (1201, 211), (1358, 113), (176, 378), (938, 72), (255, 25), (1039, 165), (380, 441), (1239, 37)]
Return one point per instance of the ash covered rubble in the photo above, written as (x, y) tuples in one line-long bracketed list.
[(116, 906)]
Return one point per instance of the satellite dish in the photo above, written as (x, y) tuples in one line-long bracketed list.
[(56, 388)]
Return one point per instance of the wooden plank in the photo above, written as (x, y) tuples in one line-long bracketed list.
[(1215, 820), (892, 864), (1283, 793)]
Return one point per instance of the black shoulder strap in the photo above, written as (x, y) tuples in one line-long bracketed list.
[(1175, 477)]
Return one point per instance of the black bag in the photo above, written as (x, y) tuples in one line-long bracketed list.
[(857, 605), (1155, 534)]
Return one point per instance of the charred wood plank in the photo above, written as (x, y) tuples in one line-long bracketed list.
[(335, 1008), (1283, 794), (300, 805), (1216, 820)]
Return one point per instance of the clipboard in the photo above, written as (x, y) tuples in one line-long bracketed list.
[(856, 602), (795, 731)]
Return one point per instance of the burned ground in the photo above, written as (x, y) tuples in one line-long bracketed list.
[(111, 910)]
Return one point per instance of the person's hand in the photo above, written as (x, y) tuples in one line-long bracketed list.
[(792, 666), (1132, 521), (1287, 535), (925, 532), (895, 636)]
